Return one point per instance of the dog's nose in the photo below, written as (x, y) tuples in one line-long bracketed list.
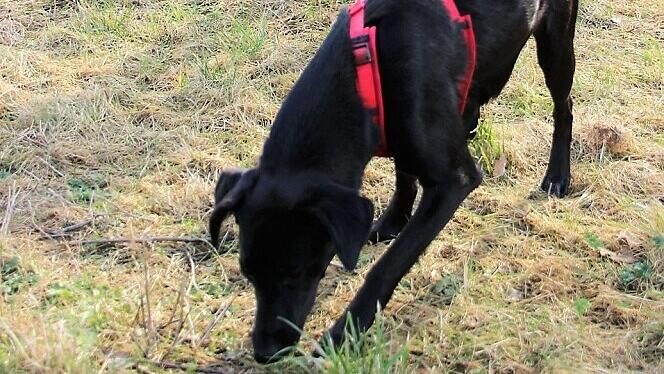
[(273, 345), (262, 359)]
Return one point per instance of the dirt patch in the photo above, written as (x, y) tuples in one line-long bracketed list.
[(607, 311), (602, 139)]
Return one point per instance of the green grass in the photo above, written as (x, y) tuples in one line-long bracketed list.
[(372, 351), (14, 277), (485, 146), (120, 115), (365, 353)]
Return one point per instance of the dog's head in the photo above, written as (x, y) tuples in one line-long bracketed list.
[(290, 228)]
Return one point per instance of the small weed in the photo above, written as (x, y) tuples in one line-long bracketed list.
[(83, 190), (4, 174), (14, 277), (633, 277), (658, 240), (216, 289), (6, 169), (581, 306), (594, 241), (189, 225), (365, 259), (447, 288), (60, 294)]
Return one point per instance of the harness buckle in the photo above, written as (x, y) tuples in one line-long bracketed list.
[(361, 50)]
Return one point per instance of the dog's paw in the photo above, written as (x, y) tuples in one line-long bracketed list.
[(556, 186), (383, 231)]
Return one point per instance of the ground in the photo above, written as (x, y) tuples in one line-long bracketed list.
[(117, 116)]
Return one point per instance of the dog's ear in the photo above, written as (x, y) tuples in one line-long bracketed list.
[(347, 218), (231, 188)]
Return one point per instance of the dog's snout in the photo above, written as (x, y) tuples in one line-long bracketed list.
[(269, 351), (265, 358), (270, 346)]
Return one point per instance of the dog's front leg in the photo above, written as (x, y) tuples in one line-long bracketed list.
[(438, 204)]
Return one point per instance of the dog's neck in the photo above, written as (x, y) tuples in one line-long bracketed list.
[(322, 127)]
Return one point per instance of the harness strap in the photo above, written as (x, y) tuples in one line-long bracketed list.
[(471, 47), (367, 81), (365, 56)]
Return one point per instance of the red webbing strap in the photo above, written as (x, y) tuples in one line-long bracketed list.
[(469, 36), (367, 80), (365, 57)]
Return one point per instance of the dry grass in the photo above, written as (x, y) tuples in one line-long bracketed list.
[(120, 114)]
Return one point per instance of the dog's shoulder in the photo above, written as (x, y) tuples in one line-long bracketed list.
[(376, 10), (321, 111)]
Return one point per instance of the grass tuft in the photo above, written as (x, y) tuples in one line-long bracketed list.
[(485, 146), (368, 352)]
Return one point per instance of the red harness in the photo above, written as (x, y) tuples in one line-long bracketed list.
[(368, 74)]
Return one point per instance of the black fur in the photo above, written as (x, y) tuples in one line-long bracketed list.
[(301, 205)]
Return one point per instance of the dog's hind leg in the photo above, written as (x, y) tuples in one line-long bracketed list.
[(398, 212), (439, 201), (555, 53)]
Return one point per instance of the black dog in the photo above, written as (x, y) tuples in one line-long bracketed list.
[(301, 206)]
